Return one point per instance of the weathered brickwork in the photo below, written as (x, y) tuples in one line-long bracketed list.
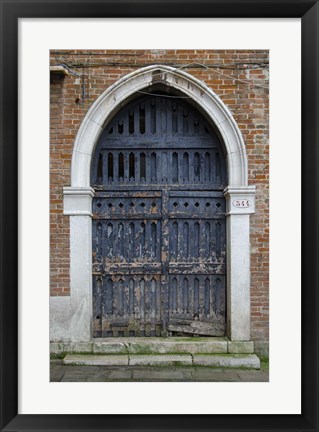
[(239, 78)]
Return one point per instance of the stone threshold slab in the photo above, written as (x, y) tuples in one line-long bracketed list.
[(152, 345), (160, 345), (248, 361)]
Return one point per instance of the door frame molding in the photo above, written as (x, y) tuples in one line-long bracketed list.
[(75, 324)]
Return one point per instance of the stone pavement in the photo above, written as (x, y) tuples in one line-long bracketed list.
[(68, 373)]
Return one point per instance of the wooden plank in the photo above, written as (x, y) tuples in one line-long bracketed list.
[(156, 142), (197, 327)]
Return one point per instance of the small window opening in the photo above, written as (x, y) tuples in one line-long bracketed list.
[(142, 119), (131, 122)]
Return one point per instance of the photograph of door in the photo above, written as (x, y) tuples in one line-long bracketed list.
[(158, 230)]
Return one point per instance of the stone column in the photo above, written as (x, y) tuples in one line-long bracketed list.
[(240, 203), (78, 205)]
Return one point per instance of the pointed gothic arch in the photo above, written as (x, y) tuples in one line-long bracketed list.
[(141, 80), (239, 196)]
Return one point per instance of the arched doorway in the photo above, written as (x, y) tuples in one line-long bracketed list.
[(159, 231), (240, 198)]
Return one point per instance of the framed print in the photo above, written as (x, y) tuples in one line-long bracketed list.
[(155, 223)]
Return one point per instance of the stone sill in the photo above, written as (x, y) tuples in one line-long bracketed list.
[(59, 70)]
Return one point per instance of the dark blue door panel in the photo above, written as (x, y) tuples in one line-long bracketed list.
[(159, 238)]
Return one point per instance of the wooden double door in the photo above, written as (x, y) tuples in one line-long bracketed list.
[(159, 238)]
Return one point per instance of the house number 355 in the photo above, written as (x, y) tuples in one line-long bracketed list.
[(242, 203)]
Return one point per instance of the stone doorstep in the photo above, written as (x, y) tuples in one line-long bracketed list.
[(247, 361), (149, 345)]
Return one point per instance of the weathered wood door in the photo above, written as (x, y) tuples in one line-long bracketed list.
[(159, 252)]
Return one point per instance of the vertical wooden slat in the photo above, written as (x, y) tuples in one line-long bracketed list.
[(180, 167), (190, 311), (196, 239), (207, 296), (137, 306), (207, 241), (191, 177), (153, 239), (153, 305), (153, 116), (131, 241), (120, 161), (147, 239), (165, 257), (185, 296), (185, 121), (131, 298), (158, 302), (175, 173), (120, 235), (180, 120), (115, 240), (185, 167), (109, 297), (121, 297), (164, 160), (201, 299), (175, 292), (169, 118), (97, 306), (196, 298), (98, 240), (115, 166), (191, 124), (147, 118), (202, 167), (197, 167), (185, 241), (179, 295), (142, 239), (110, 241), (142, 306), (136, 120), (218, 168), (158, 116), (207, 168), (223, 239), (153, 167), (218, 238), (164, 117), (147, 307), (137, 167), (217, 294), (126, 166), (131, 167), (174, 241)]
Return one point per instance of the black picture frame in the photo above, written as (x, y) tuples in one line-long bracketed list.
[(11, 11)]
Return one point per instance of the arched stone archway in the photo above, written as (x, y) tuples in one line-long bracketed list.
[(239, 196), (140, 80)]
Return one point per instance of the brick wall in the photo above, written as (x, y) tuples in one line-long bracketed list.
[(239, 78)]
